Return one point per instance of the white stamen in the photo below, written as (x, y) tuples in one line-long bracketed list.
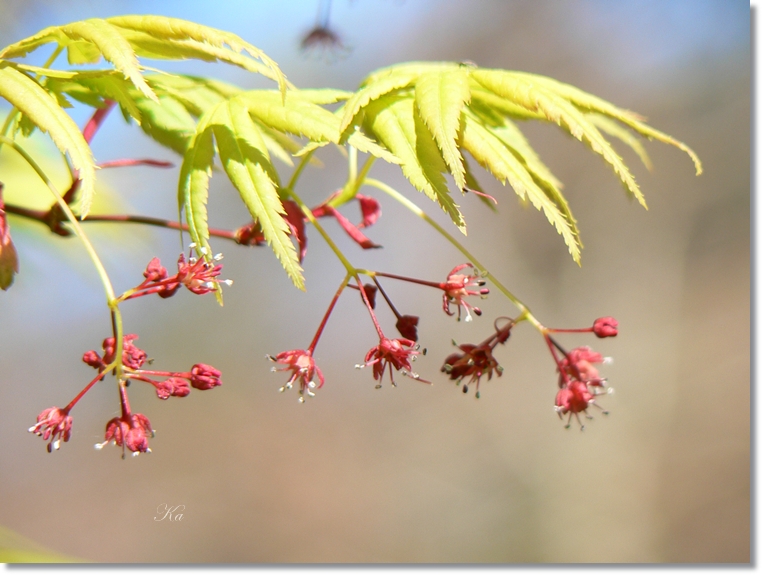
[(217, 257), (203, 250), (227, 282), (608, 360), (192, 245)]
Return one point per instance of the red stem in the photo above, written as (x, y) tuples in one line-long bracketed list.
[(41, 217), (578, 330), (320, 328), (74, 401), (125, 402), (370, 307), (96, 120), (386, 297), (129, 162), (412, 280)]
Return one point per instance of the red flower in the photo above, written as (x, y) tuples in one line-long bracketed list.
[(575, 399), (92, 359), (172, 386), (580, 383), (130, 431), (605, 327), (198, 275), (395, 353), (578, 364), (132, 356), (54, 424), (155, 271), (203, 376), (476, 361), (302, 366), (456, 290)]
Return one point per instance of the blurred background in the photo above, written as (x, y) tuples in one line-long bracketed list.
[(417, 473)]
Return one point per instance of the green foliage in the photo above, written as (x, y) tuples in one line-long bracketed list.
[(422, 116), (42, 110), (467, 108)]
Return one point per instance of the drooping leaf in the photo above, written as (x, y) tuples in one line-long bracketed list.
[(43, 110), (196, 94), (380, 83), (486, 100), (586, 101), (372, 91), (396, 124), (193, 185), (87, 36), (244, 157), (493, 155), (535, 96), (440, 98), (510, 134), (296, 116), (214, 42), (610, 127), (167, 122)]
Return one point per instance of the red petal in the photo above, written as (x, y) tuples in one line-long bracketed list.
[(295, 220), (352, 230), (371, 210)]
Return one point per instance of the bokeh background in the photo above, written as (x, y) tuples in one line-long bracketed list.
[(417, 473)]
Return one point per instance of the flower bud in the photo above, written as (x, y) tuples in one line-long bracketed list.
[(155, 271), (605, 327), (205, 376), (172, 386), (92, 359), (407, 325)]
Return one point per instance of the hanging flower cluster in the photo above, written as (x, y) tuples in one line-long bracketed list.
[(131, 431)]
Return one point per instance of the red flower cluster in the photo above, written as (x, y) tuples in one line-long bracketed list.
[(477, 360), (302, 366), (55, 424), (130, 430), (456, 290), (579, 383), (396, 354), (198, 275)]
